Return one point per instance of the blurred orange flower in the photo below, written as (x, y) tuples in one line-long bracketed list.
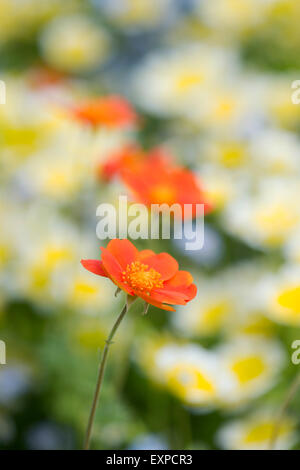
[(44, 77), (111, 111), (153, 178), (153, 277), (128, 157), (157, 180)]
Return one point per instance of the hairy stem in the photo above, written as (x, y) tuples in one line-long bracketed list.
[(101, 374), (289, 397)]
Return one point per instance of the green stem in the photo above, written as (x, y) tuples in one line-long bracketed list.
[(289, 397), (101, 374)]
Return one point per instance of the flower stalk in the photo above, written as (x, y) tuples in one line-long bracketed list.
[(101, 371), (289, 397)]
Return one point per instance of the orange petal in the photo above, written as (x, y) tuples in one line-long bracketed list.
[(94, 266), (185, 292), (181, 278), (189, 291), (170, 297), (165, 264), (145, 254), (114, 270), (153, 302), (123, 251)]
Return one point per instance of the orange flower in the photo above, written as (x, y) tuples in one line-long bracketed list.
[(154, 278), (111, 111), (156, 180), (131, 159), (43, 77), (128, 157)]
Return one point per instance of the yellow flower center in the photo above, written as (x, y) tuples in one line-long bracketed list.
[(162, 194), (56, 254), (276, 222), (190, 384), (248, 368), (290, 298), (214, 314), (189, 376), (232, 155), (138, 276), (188, 81), (260, 432), (225, 108), (83, 293)]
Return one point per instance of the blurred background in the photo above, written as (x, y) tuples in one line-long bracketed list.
[(210, 81)]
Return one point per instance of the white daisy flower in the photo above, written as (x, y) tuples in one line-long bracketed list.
[(175, 81), (276, 152), (269, 216), (233, 16), (254, 432), (250, 366), (280, 295), (74, 43), (135, 15), (187, 370)]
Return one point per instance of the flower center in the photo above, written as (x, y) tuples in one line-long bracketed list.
[(290, 298), (162, 193), (248, 368), (138, 276), (188, 81)]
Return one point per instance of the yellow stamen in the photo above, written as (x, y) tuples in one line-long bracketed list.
[(138, 276)]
